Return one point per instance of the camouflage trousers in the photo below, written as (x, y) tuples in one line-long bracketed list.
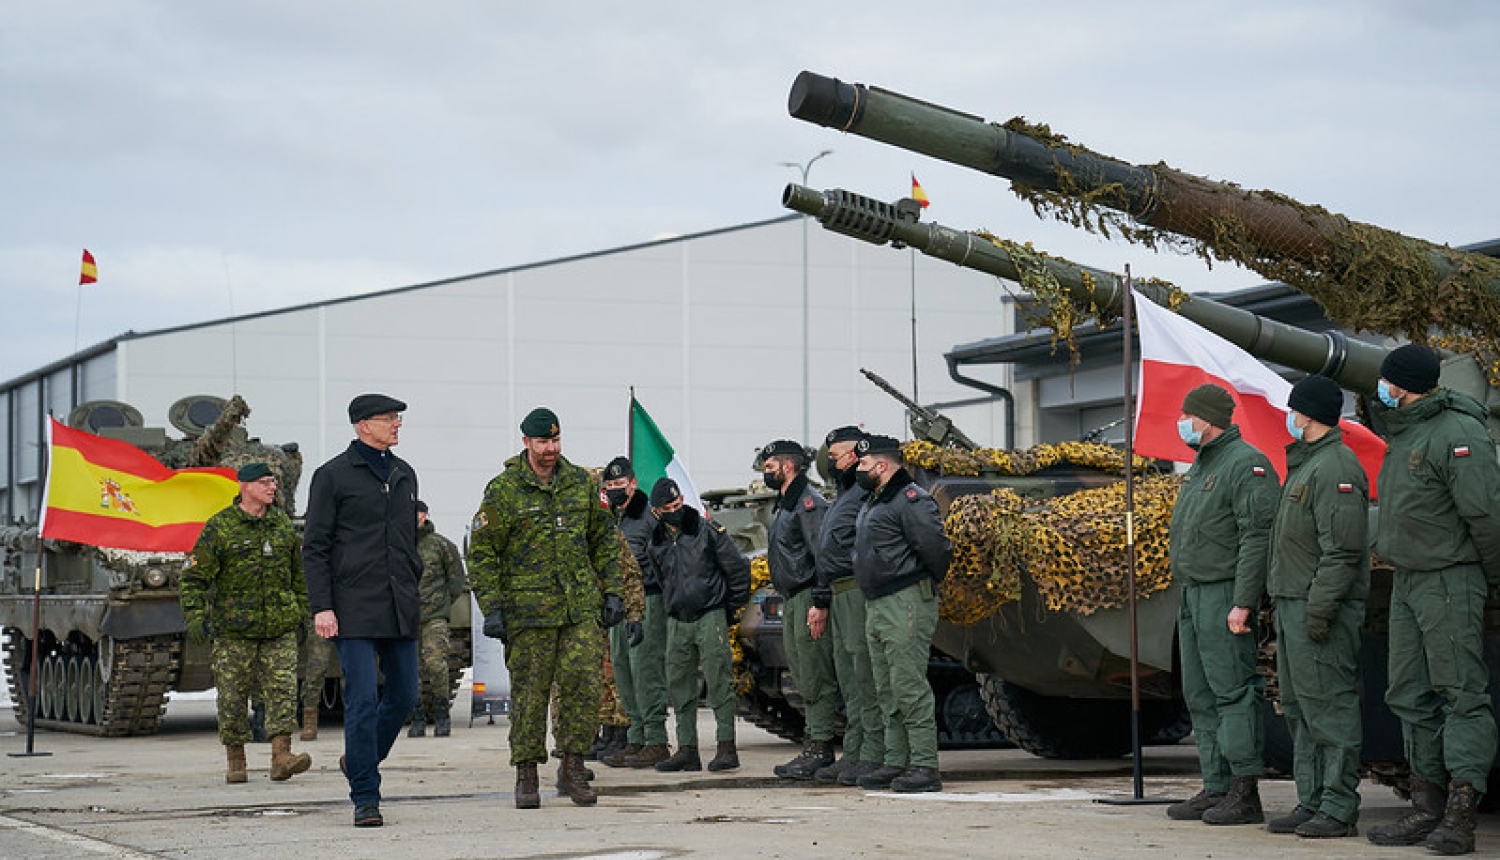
[(320, 653), (611, 712), (263, 669), (432, 667), (538, 658)]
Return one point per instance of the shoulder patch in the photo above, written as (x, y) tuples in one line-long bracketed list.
[(808, 503), (1346, 488), (1258, 471), (1460, 450), (480, 521), (911, 493)]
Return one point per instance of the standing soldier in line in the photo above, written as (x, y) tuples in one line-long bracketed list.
[(791, 556), (1439, 526), (1319, 577), (639, 663), (705, 582), (544, 564), (839, 605), (1220, 530), (442, 583), (242, 589), (900, 555), (314, 670)]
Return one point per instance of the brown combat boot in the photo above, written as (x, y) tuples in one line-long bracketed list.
[(235, 772), (1427, 802), (285, 765), (528, 795), (572, 780), (1240, 806), (310, 723), (1455, 835), (649, 755)]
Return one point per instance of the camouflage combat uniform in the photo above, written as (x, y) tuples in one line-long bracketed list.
[(244, 580), (546, 555), (320, 654), (442, 583)]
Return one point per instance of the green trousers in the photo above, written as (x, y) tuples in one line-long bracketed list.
[(811, 662), (690, 645), (1321, 704), (641, 675), (1220, 685), (1438, 678), (900, 627), (538, 657), (864, 734), (261, 669)]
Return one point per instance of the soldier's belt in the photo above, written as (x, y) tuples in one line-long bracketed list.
[(840, 586)]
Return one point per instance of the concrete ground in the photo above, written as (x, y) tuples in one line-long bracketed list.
[(165, 797)]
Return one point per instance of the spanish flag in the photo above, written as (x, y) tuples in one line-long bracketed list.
[(917, 193), (90, 272), (104, 492)]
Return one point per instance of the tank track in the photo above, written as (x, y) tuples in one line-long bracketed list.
[(141, 674), (777, 717)]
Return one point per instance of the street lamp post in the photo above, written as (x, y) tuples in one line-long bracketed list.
[(806, 329)]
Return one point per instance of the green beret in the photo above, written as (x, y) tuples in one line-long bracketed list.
[(253, 472), (540, 423), (1211, 403)]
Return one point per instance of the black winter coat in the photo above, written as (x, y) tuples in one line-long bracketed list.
[(700, 567)]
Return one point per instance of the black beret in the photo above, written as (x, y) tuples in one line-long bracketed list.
[(421, 506), (664, 492), (782, 448), (848, 433), (619, 468), (253, 472), (1319, 398), (1211, 403), (1412, 367), (540, 423), (874, 444), (367, 405)]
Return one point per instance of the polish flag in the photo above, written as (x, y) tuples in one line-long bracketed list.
[(1178, 355)]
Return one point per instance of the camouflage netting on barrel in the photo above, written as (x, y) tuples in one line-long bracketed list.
[(955, 461)]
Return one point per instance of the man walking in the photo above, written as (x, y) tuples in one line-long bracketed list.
[(442, 583)]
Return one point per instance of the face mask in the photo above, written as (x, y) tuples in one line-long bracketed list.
[(671, 518), (1292, 428), (1188, 434), (1383, 391), (617, 497), (773, 480), (867, 480)]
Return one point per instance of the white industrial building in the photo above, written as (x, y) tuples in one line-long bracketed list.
[(707, 328)]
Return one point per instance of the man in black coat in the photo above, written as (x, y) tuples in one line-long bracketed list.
[(360, 559)]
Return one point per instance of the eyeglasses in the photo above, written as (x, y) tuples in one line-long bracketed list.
[(385, 419)]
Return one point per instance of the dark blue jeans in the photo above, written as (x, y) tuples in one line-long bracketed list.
[(373, 716)]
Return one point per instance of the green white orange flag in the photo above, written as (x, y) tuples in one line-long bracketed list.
[(90, 272), (917, 193), (109, 493), (653, 457)]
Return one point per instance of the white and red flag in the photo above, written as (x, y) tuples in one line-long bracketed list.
[(1178, 355)]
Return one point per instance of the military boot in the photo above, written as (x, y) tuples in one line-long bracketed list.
[(1240, 806), (573, 780), (649, 755), (819, 754), (622, 756), (781, 769), (880, 778), (310, 723), (1325, 826), (915, 779), (1193, 808), (285, 765), (726, 757), (418, 723), (1427, 802), (528, 794), (686, 758), (830, 775), (601, 740), (1291, 821), (235, 771), (444, 725), (1455, 834), (851, 775)]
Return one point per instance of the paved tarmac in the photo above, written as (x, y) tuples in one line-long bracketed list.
[(165, 797)]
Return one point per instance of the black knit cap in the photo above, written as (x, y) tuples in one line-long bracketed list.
[(370, 405), (848, 433), (540, 423), (664, 492), (421, 506), (783, 448), (1211, 403), (1319, 398), (619, 468), (253, 472), (876, 444), (1412, 367)]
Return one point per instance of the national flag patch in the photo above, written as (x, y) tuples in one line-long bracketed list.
[(808, 503), (1346, 488), (1461, 451), (1258, 471)]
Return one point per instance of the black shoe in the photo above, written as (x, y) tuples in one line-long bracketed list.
[(915, 779), (444, 725), (1193, 808), (850, 775), (368, 816), (343, 768), (1325, 826), (880, 778), (1291, 821)]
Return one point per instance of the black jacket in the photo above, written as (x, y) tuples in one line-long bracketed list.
[(836, 540), (700, 567), (359, 552), (899, 539), (794, 537), (636, 522)]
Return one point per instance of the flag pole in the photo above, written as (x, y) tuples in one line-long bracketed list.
[(630, 429), (33, 701)]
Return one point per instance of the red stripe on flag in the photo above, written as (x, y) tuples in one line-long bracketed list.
[(95, 530)]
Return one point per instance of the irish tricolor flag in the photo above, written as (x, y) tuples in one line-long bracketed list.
[(1177, 355), (652, 457)]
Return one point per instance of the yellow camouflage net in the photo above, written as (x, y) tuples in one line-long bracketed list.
[(953, 461), (760, 577)]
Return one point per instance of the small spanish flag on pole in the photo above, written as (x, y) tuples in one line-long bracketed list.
[(917, 193), (90, 272)]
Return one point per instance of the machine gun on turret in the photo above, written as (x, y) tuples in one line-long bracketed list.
[(935, 427)]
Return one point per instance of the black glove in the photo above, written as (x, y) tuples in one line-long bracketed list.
[(197, 630), (635, 633), (1317, 629), (613, 612), (494, 625)]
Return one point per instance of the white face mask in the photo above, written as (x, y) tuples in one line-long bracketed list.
[(1188, 434)]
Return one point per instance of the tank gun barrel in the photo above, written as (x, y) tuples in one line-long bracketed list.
[(934, 426), (1354, 364)]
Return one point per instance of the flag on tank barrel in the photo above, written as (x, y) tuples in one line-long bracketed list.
[(104, 492), (1177, 355), (653, 457), (89, 273), (917, 193)]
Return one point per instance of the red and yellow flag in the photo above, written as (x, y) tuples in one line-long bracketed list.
[(105, 492), (917, 193), (90, 272)]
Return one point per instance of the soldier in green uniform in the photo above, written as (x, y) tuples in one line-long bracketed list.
[(442, 583), (900, 555), (318, 655), (638, 652), (544, 564), (1439, 526), (242, 589), (1220, 528), (1319, 577)]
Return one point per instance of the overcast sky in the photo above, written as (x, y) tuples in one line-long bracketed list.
[(223, 158)]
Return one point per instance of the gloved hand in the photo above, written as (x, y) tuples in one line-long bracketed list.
[(494, 625), (635, 633), (613, 612), (1317, 629), (197, 630)]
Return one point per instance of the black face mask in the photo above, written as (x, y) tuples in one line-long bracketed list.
[(671, 518), (617, 497), (773, 480), (868, 480)]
